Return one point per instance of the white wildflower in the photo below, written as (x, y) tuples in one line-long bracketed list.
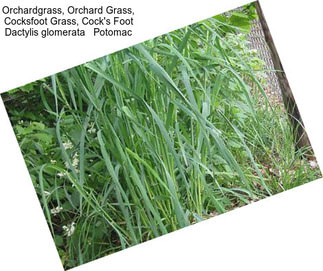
[(56, 210), (20, 122), (68, 145), (61, 174), (53, 162), (69, 229), (67, 165), (91, 129), (75, 161)]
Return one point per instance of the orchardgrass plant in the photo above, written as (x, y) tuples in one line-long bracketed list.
[(155, 138)]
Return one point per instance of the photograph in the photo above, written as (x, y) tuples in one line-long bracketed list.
[(162, 135)]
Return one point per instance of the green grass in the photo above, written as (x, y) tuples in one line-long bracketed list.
[(154, 138)]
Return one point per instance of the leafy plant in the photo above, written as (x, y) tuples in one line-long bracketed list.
[(154, 138)]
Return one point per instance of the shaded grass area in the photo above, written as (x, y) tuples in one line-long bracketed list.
[(154, 138)]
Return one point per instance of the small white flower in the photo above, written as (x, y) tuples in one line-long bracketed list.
[(61, 174), (91, 129), (69, 229), (53, 162), (75, 161), (68, 145), (67, 165), (20, 122), (56, 210)]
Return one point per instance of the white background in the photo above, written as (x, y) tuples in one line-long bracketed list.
[(284, 232)]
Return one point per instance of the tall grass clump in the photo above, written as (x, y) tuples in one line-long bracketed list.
[(154, 138)]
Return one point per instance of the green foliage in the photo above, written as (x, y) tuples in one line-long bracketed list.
[(239, 20), (154, 138), (34, 86)]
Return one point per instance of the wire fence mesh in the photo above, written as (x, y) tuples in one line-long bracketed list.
[(257, 41)]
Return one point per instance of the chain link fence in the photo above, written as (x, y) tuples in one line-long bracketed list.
[(257, 41)]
